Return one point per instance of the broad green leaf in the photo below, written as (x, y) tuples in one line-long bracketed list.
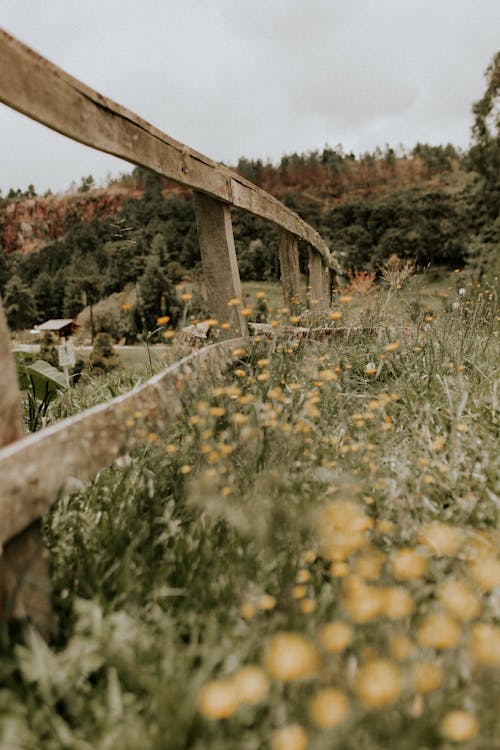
[(44, 376)]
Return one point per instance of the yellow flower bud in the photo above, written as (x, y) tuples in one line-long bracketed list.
[(335, 636), (427, 676), (440, 538), (459, 726), (408, 563), (458, 598), (378, 683), (485, 643), (328, 708), (291, 737), (251, 684), (290, 656), (438, 631), (218, 699)]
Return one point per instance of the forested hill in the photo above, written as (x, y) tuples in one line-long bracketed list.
[(432, 205), (29, 222), (58, 252), (330, 189), (332, 176), (310, 183)]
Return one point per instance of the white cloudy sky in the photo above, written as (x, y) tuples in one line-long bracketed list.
[(258, 78)]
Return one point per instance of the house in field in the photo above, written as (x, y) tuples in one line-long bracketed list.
[(63, 328)]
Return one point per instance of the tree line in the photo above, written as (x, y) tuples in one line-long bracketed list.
[(448, 216)]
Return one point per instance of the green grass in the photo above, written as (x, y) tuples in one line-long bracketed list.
[(160, 566), (136, 359)]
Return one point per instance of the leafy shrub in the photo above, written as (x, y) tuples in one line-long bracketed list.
[(103, 356), (48, 348)]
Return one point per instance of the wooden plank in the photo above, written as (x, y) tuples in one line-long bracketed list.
[(39, 89), (11, 427), (25, 586), (249, 197), (33, 470), (24, 577), (290, 271), (319, 278), (218, 257), (34, 86)]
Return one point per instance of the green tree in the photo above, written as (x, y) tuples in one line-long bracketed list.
[(43, 291), (85, 280), (484, 158), (484, 155), (103, 356), (48, 348), (19, 304), (156, 297), (86, 184), (4, 269), (58, 290)]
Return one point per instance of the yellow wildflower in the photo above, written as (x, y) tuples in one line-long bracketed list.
[(290, 656)]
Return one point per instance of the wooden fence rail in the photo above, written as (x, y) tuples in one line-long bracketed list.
[(39, 89), (35, 468), (32, 469)]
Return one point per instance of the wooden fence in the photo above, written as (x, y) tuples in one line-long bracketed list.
[(33, 469)]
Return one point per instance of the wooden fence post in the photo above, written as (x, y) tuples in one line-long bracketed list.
[(319, 281), (11, 427), (24, 579), (290, 271), (218, 257)]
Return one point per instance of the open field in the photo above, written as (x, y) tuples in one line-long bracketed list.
[(430, 290), (308, 558)]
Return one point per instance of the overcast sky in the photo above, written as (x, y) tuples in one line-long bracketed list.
[(258, 78)]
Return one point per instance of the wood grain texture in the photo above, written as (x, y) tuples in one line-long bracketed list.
[(319, 279), (218, 257), (289, 269), (24, 577), (34, 469), (39, 89), (25, 587), (11, 427)]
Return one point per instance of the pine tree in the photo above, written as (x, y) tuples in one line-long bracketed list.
[(43, 291), (156, 297), (103, 355), (19, 304), (48, 348)]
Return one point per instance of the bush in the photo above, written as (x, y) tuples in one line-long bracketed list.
[(103, 356), (48, 348)]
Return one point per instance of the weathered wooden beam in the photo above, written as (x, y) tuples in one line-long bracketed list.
[(24, 577), (11, 427), (218, 257), (290, 271), (249, 197), (30, 84), (25, 587), (34, 469), (319, 281)]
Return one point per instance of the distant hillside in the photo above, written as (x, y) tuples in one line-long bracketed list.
[(61, 253), (316, 179), (28, 223), (331, 176)]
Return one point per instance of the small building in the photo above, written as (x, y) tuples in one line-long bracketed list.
[(63, 328)]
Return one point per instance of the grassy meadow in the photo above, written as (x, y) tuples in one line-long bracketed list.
[(309, 558)]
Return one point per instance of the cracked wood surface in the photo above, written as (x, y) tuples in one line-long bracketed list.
[(24, 578)]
